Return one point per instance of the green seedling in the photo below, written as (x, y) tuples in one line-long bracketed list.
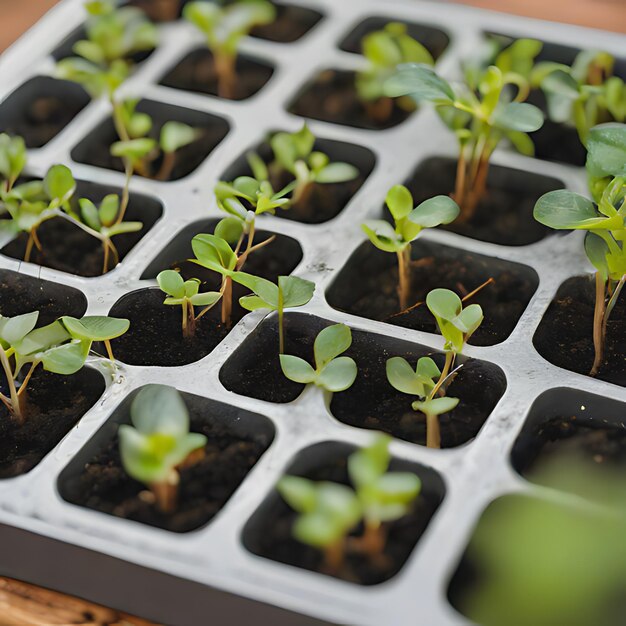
[(408, 224), (328, 512), (425, 382), (294, 153), (61, 348), (159, 442), (384, 496), (384, 50), (185, 293), (332, 372), (583, 95), (290, 292), (223, 28), (605, 222), (480, 115)]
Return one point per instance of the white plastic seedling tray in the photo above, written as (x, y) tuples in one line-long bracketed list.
[(207, 576)]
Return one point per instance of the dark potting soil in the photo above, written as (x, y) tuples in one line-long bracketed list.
[(565, 335), (20, 293), (269, 532), (367, 286), (52, 406), (196, 72), (205, 486), (504, 215), (254, 370), (332, 97), (67, 248), (95, 148), (291, 23), (40, 109)]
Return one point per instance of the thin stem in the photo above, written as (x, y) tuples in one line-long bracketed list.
[(281, 322), (167, 166), (374, 538), (334, 556), (128, 171), (404, 276), (105, 261), (444, 374), (471, 294), (461, 170), (35, 237), (29, 247), (15, 400), (249, 247), (184, 308), (227, 301), (598, 317), (302, 192), (109, 349), (166, 492), (433, 432), (610, 306), (225, 69), (22, 388)]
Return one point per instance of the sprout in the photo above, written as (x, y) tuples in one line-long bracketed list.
[(290, 292), (479, 114), (332, 372), (184, 293), (159, 442), (384, 50), (61, 348), (584, 94), (224, 27), (605, 224), (408, 224), (384, 496)]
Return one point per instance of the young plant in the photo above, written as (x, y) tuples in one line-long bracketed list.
[(332, 372), (224, 27), (290, 292), (583, 95), (61, 348), (328, 512), (384, 496), (605, 242), (480, 115), (184, 293), (408, 224), (159, 442), (424, 382), (384, 50)]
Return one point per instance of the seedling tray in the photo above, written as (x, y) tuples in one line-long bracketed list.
[(209, 574)]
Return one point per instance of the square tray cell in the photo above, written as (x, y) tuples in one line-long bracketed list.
[(67, 248), (268, 532), (196, 72), (570, 319), (39, 109), (94, 149), (237, 439), (325, 201), (367, 286), (571, 423), (504, 215)]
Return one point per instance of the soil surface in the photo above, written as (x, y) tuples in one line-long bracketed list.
[(565, 335), (52, 406), (196, 72), (504, 215), (204, 489), (269, 533), (367, 286), (291, 23), (21, 294), (332, 97)]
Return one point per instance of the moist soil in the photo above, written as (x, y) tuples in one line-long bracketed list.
[(332, 97), (505, 214), (67, 248), (205, 486), (196, 72), (565, 335), (21, 294), (290, 24), (52, 406), (368, 287), (272, 535)]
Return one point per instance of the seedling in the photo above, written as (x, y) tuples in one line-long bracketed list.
[(583, 95), (384, 496), (605, 224), (290, 292), (384, 50), (332, 372), (408, 224), (184, 293), (479, 114), (224, 27), (61, 348), (159, 442)]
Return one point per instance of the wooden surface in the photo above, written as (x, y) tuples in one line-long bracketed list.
[(25, 605)]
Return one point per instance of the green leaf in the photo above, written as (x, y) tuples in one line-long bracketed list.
[(109, 208), (383, 235), (66, 359), (134, 149), (606, 150), (469, 319), (518, 116), (90, 214), (123, 228), (171, 283), (398, 487), (299, 493), (40, 339), (330, 343), (437, 406), (14, 329), (296, 291), (207, 298), (95, 327), (214, 253), (420, 82), (337, 173), (444, 303), (297, 369), (59, 183), (230, 229), (160, 409), (435, 211), (405, 379), (562, 84), (13, 156), (562, 209), (367, 465), (253, 303), (176, 135), (338, 375), (597, 251), (263, 288), (521, 142), (399, 201)]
